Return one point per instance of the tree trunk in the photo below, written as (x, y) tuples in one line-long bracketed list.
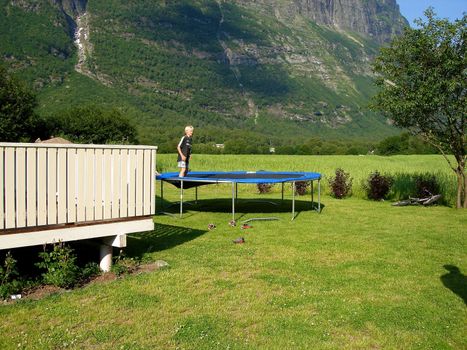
[(465, 189), (461, 185)]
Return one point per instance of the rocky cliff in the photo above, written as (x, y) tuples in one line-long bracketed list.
[(378, 19), (72, 8)]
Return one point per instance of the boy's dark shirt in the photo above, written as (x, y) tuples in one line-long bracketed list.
[(185, 146)]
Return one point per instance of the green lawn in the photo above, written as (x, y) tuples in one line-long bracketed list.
[(360, 275)]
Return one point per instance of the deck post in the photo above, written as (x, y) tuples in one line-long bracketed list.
[(105, 257)]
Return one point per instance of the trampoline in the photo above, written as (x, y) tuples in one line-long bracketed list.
[(196, 179)]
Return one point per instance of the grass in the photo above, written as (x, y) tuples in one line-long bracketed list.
[(360, 275)]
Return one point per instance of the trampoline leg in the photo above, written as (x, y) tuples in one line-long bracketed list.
[(312, 194), (293, 200), (162, 195), (181, 198), (319, 196), (196, 195), (233, 200), (282, 192)]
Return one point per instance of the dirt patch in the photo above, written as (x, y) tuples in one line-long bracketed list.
[(40, 292), (102, 278)]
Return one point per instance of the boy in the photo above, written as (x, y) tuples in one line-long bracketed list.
[(184, 151)]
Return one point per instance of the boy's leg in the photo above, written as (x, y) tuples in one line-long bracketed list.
[(183, 166)]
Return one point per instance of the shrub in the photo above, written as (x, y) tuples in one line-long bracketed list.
[(426, 185), (123, 265), (264, 188), (341, 184), (91, 269), (8, 284), (300, 187), (60, 266), (377, 186)]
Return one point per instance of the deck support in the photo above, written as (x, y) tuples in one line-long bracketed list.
[(105, 257)]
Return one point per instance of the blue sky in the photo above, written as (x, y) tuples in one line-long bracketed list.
[(452, 9)]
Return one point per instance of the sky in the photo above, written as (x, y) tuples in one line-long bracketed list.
[(451, 9)]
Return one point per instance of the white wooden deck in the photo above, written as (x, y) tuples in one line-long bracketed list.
[(51, 192)]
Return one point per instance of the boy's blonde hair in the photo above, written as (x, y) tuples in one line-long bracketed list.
[(189, 128)]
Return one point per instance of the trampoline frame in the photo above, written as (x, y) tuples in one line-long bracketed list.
[(173, 177)]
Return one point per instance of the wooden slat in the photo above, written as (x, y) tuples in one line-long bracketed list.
[(10, 221), (153, 181), (131, 183), (80, 194), (89, 181), (124, 184), (116, 186), (31, 187), (71, 185), (51, 186), (139, 181), (2, 186), (107, 184), (41, 186), (62, 179), (98, 212), (147, 183), (20, 179)]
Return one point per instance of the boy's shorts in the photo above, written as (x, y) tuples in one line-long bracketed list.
[(183, 164)]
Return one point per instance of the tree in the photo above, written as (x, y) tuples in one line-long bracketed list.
[(93, 124), (18, 121), (422, 77)]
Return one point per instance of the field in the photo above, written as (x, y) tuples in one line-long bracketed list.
[(360, 275), (359, 167)]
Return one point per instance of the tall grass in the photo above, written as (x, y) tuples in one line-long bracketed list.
[(402, 167)]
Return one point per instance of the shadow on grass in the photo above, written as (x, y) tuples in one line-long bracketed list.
[(456, 281), (163, 237)]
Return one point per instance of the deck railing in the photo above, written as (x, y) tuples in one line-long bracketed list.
[(54, 184)]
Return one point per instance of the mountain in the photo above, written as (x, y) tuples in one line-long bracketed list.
[(251, 71)]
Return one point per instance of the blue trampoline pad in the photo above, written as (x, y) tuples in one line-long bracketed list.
[(198, 178)]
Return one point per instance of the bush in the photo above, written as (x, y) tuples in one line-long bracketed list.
[(426, 185), (377, 186), (60, 266), (91, 269), (341, 184), (264, 188), (123, 265), (300, 187), (8, 284)]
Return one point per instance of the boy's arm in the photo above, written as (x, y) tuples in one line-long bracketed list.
[(180, 150)]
